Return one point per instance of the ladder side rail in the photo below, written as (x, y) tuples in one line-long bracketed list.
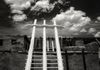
[(52, 46), (47, 45), (31, 47), (58, 49), (44, 47)]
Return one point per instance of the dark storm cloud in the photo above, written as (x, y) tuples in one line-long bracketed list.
[(91, 7), (31, 9), (4, 14)]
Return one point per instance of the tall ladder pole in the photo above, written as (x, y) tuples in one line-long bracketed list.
[(59, 56), (47, 45), (44, 47), (52, 43), (31, 47)]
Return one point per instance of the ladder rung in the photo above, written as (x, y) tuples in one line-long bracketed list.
[(36, 67), (37, 59), (42, 63), (37, 55), (51, 52), (42, 59), (36, 63), (52, 67), (52, 59), (42, 52), (52, 55), (52, 63), (41, 55), (37, 52)]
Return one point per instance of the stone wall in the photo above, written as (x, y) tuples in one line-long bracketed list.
[(12, 61), (12, 43)]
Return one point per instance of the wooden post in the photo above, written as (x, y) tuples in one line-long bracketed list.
[(67, 63), (99, 55), (58, 49), (47, 45), (44, 47), (29, 59), (84, 61), (52, 45)]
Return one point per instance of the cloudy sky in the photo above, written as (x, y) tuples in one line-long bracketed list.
[(79, 17)]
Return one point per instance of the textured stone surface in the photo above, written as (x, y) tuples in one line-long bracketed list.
[(92, 62), (75, 62), (12, 61), (15, 61)]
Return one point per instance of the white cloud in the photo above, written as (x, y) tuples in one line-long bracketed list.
[(9, 1), (73, 20), (17, 6), (42, 5), (17, 11), (92, 30), (97, 34), (98, 18), (75, 33), (21, 6), (83, 30), (19, 17), (17, 1), (26, 5)]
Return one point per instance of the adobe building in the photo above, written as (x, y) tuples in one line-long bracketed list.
[(89, 43), (13, 43), (73, 56)]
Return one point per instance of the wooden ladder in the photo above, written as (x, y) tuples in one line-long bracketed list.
[(48, 58)]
